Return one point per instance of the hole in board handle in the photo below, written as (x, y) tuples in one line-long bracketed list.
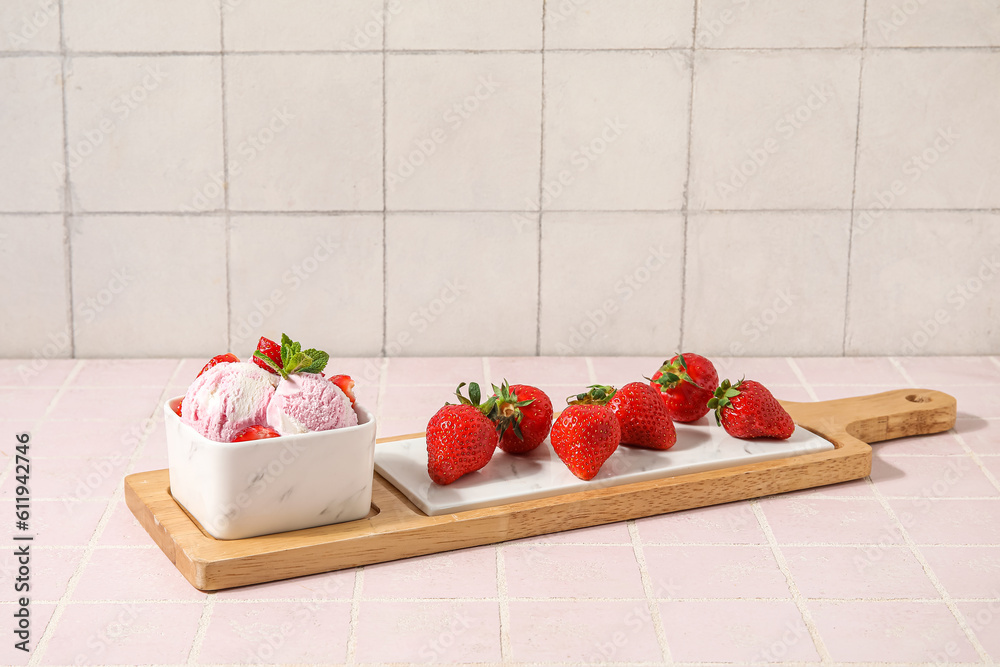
[(916, 398)]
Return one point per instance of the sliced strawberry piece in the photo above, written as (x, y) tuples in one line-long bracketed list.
[(256, 433), (272, 351), (220, 359), (346, 385), (177, 408)]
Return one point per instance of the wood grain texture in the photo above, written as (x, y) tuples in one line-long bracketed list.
[(396, 529)]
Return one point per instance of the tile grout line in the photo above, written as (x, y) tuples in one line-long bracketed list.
[(67, 211), (945, 596), (591, 372), (801, 377), (109, 509), (918, 554), (541, 190), (793, 588), (385, 177), (352, 637), (214, 212), (685, 202), (383, 384), (487, 371), (854, 178), (958, 436), (226, 221), (503, 602), (203, 622), (433, 52), (650, 594)]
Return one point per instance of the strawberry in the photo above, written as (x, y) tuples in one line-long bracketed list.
[(269, 349), (219, 359), (346, 385), (177, 408), (587, 433), (523, 416), (460, 438), (685, 383), (643, 417), (748, 410), (289, 357), (256, 433)]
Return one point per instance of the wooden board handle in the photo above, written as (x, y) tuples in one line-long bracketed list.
[(891, 414)]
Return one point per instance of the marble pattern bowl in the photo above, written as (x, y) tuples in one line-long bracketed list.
[(245, 489)]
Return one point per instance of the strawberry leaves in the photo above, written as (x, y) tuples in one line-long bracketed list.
[(720, 399), (294, 359)]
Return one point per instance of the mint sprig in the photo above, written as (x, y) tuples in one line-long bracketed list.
[(294, 359)]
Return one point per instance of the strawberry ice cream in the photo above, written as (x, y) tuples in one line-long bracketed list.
[(306, 402), (227, 398)]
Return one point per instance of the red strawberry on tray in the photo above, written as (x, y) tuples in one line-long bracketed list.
[(523, 416), (686, 383), (748, 410), (460, 438), (643, 417), (587, 433)]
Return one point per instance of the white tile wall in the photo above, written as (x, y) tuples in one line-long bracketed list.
[(29, 25), (304, 132), (144, 133), (929, 126), (32, 271), (141, 25), (611, 282), (318, 278), (774, 129), (959, 297), (484, 176), (767, 283), (142, 285), (32, 137), (448, 112)]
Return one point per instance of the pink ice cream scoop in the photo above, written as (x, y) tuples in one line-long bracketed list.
[(306, 402), (228, 398)]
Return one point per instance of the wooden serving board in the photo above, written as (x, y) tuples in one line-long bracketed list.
[(396, 529)]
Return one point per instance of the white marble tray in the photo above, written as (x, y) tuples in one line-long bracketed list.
[(508, 478)]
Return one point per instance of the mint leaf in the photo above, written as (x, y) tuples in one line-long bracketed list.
[(286, 349), (269, 362), (299, 361), (319, 362)]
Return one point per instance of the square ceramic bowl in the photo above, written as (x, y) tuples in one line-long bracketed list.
[(259, 487)]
